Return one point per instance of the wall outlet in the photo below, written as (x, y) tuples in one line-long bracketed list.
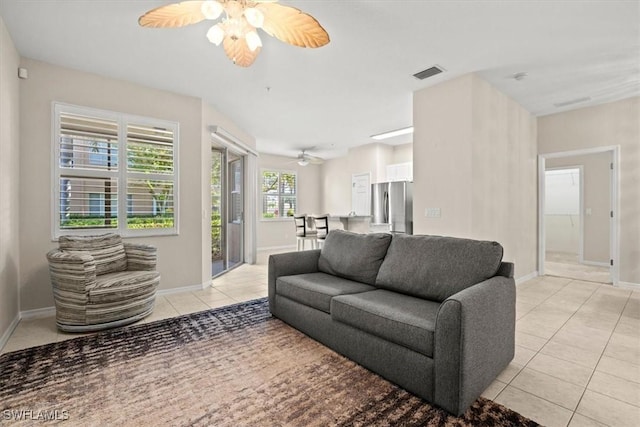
[(432, 212)]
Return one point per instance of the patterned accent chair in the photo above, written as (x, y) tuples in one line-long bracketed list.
[(99, 282)]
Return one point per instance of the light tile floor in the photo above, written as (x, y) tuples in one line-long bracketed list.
[(577, 359), (567, 265)]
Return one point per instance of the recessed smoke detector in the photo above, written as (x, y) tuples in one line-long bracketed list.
[(436, 69), (572, 101)]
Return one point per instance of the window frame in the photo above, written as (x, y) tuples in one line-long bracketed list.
[(280, 195), (122, 175)]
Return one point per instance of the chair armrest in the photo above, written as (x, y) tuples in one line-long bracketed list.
[(71, 271), (288, 264), (141, 257), (474, 341)]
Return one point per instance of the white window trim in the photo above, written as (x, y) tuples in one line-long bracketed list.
[(280, 171), (121, 174)]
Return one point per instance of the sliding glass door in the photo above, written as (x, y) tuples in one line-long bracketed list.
[(235, 217), (227, 210)]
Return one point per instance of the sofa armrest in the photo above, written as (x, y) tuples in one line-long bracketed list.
[(141, 257), (506, 269), (288, 264), (474, 341), (71, 271)]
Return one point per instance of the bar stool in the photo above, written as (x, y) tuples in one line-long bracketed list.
[(322, 228), (304, 232)]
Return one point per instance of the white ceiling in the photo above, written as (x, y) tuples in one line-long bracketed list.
[(361, 83)]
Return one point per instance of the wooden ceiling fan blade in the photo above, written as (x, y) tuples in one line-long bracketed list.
[(292, 26), (238, 51), (173, 15)]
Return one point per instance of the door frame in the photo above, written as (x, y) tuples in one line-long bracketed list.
[(614, 220), (223, 139)]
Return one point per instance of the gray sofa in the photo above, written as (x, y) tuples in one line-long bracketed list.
[(435, 315)]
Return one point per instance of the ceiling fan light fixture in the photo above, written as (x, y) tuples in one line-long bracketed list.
[(253, 40), (303, 162), (215, 34), (236, 31), (211, 9), (254, 17)]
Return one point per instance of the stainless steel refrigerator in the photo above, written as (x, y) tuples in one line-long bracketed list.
[(392, 205)]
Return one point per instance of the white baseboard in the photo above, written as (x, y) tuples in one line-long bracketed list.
[(529, 276), (192, 288), (628, 285), (7, 334), (277, 248), (38, 313)]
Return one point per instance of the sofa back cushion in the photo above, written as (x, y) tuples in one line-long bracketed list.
[(353, 256), (435, 267), (107, 250)]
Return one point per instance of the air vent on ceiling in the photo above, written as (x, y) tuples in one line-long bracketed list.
[(428, 72), (572, 101)]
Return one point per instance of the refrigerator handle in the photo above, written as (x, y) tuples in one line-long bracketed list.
[(386, 207)]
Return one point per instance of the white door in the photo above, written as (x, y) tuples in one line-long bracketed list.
[(361, 193)]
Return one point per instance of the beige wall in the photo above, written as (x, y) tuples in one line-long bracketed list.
[(9, 183), (281, 232), (372, 158), (474, 154), (180, 258), (335, 186), (562, 234), (616, 123), (337, 173), (595, 169), (402, 153)]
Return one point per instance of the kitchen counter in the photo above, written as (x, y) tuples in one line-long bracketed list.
[(355, 223)]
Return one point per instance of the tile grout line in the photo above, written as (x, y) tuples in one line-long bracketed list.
[(598, 362), (573, 412)]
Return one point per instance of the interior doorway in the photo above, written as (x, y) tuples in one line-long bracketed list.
[(578, 214), (564, 220), (227, 210)]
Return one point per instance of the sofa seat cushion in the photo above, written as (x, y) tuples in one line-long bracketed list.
[(402, 319), (435, 267), (353, 256), (316, 289), (123, 286)]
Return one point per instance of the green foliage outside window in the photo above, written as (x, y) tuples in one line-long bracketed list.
[(279, 197)]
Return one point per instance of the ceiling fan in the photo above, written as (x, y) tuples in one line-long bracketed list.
[(237, 30), (304, 159)]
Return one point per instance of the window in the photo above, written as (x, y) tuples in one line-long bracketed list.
[(279, 194), (114, 171), (97, 205)]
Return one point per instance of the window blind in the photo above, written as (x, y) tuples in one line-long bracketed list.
[(94, 191)]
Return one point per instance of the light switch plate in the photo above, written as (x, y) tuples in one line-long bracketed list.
[(432, 212)]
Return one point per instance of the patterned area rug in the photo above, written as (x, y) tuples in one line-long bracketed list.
[(235, 366)]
